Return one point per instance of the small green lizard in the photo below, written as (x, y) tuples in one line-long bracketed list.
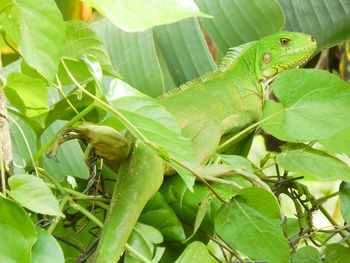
[(209, 109)]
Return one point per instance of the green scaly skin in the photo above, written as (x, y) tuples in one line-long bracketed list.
[(215, 106)]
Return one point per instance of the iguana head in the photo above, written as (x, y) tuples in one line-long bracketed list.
[(283, 50)]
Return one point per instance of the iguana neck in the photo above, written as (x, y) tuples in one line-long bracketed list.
[(244, 72)]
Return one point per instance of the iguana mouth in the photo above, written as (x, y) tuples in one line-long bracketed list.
[(304, 51)]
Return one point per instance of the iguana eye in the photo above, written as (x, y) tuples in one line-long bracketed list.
[(284, 41)]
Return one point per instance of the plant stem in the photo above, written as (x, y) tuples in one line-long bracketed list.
[(324, 198), (85, 212), (81, 195), (53, 180), (54, 224), (332, 221)]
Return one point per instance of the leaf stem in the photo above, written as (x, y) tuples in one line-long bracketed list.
[(134, 252), (85, 212), (324, 198)]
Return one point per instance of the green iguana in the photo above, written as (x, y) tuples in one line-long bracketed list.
[(209, 109)]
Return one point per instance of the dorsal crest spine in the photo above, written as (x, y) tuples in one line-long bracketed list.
[(226, 63)]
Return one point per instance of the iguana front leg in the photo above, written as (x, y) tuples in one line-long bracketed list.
[(104, 141)]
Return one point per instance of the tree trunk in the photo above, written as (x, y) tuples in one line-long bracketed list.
[(5, 139)]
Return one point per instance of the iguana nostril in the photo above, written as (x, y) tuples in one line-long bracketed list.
[(313, 39)]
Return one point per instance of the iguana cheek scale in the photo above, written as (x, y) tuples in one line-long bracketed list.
[(219, 103)]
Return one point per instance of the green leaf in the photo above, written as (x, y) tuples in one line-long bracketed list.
[(239, 21), (316, 103), (327, 21), (336, 253), (253, 217), (154, 213), (38, 28), (134, 15), (273, 125), (17, 218), (344, 195), (135, 56), (339, 142), (156, 125), (186, 203), (184, 49), (203, 209), (13, 246), (46, 249), (82, 39), (302, 159), (196, 252), (32, 193), (143, 239), (61, 110), (28, 95), (307, 255)]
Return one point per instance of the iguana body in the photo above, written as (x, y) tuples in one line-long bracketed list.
[(230, 98), (219, 103)]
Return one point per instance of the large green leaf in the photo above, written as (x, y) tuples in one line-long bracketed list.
[(253, 217), (184, 50), (143, 239), (307, 255), (32, 193), (13, 246), (37, 27), (82, 39), (328, 21), (134, 54), (316, 103), (28, 95), (336, 253), (17, 218), (158, 127), (136, 15), (46, 249), (239, 21), (344, 195), (273, 125), (154, 213), (303, 159), (195, 252), (339, 142)]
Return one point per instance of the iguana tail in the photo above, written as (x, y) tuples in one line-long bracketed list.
[(140, 176)]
